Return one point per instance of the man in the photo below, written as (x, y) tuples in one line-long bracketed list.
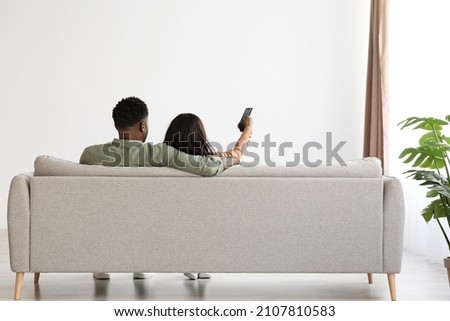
[(130, 150)]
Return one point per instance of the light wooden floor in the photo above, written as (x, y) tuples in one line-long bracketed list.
[(418, 281)]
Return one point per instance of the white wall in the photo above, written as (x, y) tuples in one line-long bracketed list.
[(64, 64)]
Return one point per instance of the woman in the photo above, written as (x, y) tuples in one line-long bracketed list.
[(187, 134)]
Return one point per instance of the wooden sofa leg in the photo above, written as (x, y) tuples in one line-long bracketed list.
[(370, 277), (36, 277), (392, 290), (19, 282)]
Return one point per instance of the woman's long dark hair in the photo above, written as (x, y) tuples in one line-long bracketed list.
[(187, 134)]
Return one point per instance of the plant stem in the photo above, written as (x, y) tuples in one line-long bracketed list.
[(446, 167), (445, 164), (443, 232), (444, 203)]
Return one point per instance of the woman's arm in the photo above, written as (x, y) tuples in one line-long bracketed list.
[(239, 148)]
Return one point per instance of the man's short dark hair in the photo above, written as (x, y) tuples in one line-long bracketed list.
[(129, 111)]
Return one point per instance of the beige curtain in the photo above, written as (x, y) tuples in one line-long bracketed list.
[(376, 114)]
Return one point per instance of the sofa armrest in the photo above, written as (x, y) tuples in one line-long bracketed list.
[(394, 219), (19, 223)]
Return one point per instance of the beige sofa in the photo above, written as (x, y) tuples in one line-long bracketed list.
[(68, 217)]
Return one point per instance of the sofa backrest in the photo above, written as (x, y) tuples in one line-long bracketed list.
[(365, 168)]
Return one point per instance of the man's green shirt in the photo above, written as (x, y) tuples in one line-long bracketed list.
[(133, 153)]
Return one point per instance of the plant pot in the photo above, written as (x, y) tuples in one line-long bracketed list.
[(447, 265)]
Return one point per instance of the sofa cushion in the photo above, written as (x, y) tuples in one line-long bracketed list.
[(51, 166), (369, 167), (366, 167)]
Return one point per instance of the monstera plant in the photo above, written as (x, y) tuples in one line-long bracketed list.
[(431, 166)]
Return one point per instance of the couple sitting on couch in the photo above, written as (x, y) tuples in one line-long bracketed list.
[(185, 147)]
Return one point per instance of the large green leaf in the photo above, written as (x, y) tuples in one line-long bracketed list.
[(412, 151), (441, 147), (437, 163), (430, 137), (442, 190), (435, 210), (431, 124), (420, 160), (409, 121), (428, 162), (428, 176), (423, 156), (433, 163), (426, 123)]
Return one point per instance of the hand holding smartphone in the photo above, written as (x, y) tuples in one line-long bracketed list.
[(246, 113)]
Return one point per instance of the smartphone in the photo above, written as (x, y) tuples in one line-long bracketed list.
[(246, 113)]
